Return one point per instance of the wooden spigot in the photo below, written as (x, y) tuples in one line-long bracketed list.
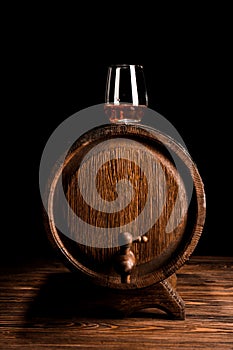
[(125, 259)]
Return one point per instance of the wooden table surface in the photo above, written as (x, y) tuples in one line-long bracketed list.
[(38, 310)]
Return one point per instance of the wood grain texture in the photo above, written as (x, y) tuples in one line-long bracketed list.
[(145, 159), (40, 309)]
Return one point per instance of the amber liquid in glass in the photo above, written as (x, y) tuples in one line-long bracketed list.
[(124, 113)]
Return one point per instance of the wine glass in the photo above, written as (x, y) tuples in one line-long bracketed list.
[(126, 94)]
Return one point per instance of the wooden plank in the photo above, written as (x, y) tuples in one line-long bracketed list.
[(38, 310)]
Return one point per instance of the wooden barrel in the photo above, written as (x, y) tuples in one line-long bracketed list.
[(125, 194)]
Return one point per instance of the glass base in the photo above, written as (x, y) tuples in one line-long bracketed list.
[(125, 121)]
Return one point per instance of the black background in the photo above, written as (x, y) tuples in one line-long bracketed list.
[(48, 80)]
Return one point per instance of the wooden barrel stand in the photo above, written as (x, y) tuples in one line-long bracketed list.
[(143, 192)]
